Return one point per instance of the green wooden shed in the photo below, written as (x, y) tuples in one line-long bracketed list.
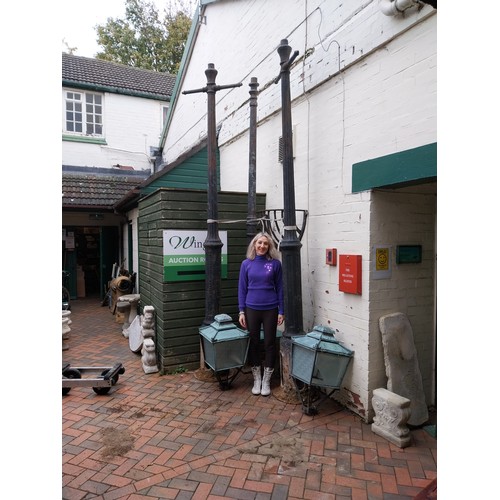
[(177, 200)]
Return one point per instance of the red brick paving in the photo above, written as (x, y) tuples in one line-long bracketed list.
[(193, 441)]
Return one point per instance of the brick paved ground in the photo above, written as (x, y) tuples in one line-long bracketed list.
[(177, 437)]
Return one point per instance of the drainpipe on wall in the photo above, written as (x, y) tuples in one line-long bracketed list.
[(395, 7)]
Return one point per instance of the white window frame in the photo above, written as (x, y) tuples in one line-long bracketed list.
[(82, 112), (164, 114)]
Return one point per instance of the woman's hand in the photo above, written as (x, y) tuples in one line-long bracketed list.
[(242, 320), (281, 318)]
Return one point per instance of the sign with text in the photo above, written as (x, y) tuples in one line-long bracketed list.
[(184, 254), (350, 274)]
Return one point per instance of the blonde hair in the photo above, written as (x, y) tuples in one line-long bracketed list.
[(272, 251)]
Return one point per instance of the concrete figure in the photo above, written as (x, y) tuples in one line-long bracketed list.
[(401, 364), (148, 348), (148, 322), (65, 329), (149, 356)]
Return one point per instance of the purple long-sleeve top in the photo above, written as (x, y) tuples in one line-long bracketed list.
[(260, 284)]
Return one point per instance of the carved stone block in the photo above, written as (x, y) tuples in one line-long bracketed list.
[(391, 415)]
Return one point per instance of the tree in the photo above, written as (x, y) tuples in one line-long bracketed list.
[(69, 50), (143, 39)]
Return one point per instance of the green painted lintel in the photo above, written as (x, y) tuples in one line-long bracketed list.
[(417, 164)]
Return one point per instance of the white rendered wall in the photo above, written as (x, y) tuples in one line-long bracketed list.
[(132, 225), (383, 101), (132, 125)]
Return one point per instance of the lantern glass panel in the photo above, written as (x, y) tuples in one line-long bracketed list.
[(225, 346), (319, 360)]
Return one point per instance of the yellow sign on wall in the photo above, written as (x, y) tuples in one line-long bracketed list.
[(382, 259)]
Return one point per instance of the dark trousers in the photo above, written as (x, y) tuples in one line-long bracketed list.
[(269, 321)]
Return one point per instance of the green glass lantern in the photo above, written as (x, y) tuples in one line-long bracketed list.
[(225, 347), (319, 360)]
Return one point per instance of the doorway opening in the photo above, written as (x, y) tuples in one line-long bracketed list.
[(89, 253)]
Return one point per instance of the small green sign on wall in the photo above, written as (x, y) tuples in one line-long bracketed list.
[(184, 254), (408, 254)]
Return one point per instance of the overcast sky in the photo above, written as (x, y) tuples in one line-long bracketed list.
[(78, 20)]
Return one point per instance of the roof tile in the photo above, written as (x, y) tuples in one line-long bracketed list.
[(85, 70), (95, 191)]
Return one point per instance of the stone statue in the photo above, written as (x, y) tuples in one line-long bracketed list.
[(401, 364), (148, 347)]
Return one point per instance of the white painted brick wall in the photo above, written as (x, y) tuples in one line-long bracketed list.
[(253, 31)]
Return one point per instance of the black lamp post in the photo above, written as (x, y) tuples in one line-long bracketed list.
[(213, 243), (252, 162), (290, 244)]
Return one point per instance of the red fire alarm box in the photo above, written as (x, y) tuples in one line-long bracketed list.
[(350, 274), (331, 256)]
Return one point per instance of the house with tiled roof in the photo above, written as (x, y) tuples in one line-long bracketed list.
[(112, 120)]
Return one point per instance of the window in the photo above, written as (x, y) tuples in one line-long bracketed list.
[(83, 113), (164, 110)]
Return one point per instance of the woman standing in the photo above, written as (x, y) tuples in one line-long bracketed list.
[(260, 299)]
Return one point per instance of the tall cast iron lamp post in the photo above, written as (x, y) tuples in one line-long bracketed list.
[(213, 243), (252, 162), (290, 244)]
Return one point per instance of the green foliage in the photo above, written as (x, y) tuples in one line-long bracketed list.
[(143, 39), (178, 370)]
